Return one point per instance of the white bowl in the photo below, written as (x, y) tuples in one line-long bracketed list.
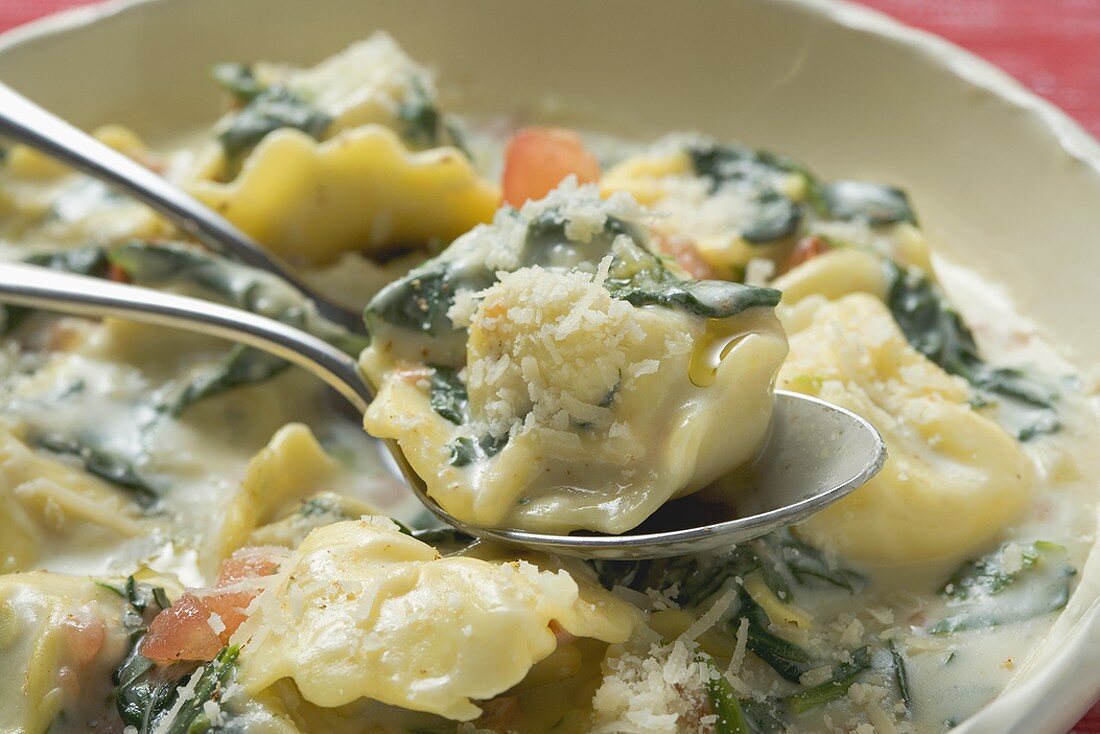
[(1004, 182)]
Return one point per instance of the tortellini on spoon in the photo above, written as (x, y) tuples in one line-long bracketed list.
[(550, 372)]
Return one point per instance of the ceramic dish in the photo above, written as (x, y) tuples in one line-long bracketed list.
[(1006, 184)]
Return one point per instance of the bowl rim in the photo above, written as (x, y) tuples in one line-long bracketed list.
[(1056, 686)]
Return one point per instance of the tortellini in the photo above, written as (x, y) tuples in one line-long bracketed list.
[(551, 373), (46, 503), (953, 477), (60, 639), (363, 610), (362, 190), (373, 81), (834, 274), (351, 156), (290, 467)]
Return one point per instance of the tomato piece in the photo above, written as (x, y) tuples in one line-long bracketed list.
[(117, 274), (536, 160), (201, 621), (807, 249), (182, 632), (687, 257), (248, 563)]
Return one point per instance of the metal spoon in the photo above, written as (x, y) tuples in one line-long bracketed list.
[(25, 122), (817, 452)]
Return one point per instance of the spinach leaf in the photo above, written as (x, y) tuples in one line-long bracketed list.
[(901, 677), (167, 265), (724, 705), (213, 677), (82, 261), (420, 300), (783, 656), (712, 299), (243, 366), (448, 394), (143, 690), (765, 717), (935, 329), (420, 116), (237, 79), (773, 216), (784, 562), (106, 465), (986, 592), (844, 675), (466, 450), (269, 110), (691, 580), (444, 539), (423, 124), (787, 557), (869, 202)]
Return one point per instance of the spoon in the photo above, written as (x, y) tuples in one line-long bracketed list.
[(817, 452), (25, 122)]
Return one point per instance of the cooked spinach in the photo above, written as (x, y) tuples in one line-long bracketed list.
[(448, 394), (935, 329), (190, 718), (82, 261), (466, 450), (444, 539), (844, 675), (100, 462), (144, 691), (784, 562), (712, 299), (765, 717), (787, 561), (724, 705), (869, 202), (237, 79), (420, 300), (243, 366), (901, 677), (548, 244), (166, 265), (420, 116), (269, 110), (773, 215), (985, 593), (783, 656)]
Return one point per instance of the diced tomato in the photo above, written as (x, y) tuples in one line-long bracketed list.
[(201, 621), (117, 274), (536, 160), (85, 637), (182, 632), (687, 256), (807, 249), (250, 562)]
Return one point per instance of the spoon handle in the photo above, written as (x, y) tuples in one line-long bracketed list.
[(35, 287), (25, 122)]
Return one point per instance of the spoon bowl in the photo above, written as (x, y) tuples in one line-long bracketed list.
[(816, 454)]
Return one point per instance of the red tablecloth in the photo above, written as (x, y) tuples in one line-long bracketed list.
[(1052, 46)]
